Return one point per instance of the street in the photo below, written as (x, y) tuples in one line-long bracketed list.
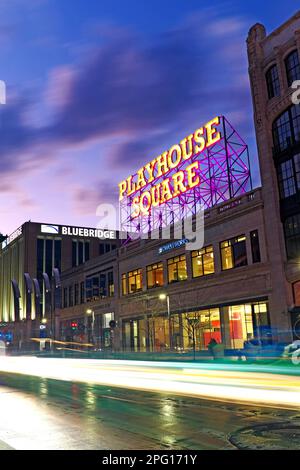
[(41, 413)]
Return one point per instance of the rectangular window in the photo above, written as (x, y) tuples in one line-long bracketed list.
[(155, 275), (273, 83), (103, 285), (76, 294), (292, 65), (135, 281), (110, 281), (286, 179), (203, 261), (86, 251), (65, 297), (89, 289), (202, 326), (282, 132), (71, 301), (240, 325), (233, 253), (80, 252), (74, 254), (101, 248), (177, 270), (57, 254), (82, 292), (124, 284), (49, 254), (255, 246), (292, 236), (40, 257)]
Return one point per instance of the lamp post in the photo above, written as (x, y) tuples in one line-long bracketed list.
[(167, 298), (92, 313)]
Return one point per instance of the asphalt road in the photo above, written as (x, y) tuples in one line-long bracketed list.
[(40, 413)]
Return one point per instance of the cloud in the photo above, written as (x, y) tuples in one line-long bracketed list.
[(140, 94), (86, 200)]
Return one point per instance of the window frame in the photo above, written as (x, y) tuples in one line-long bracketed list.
[(153, 268), (196, 253), (273, 82), (135, 274), (291, 76), (176, 260), (231, 242)]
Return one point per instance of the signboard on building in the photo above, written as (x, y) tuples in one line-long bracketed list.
[(208, 167), (16, 234), (78, 231)]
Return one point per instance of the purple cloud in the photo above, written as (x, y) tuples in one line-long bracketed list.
[(142, 96)]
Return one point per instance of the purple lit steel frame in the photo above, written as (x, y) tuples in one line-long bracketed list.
[(224, 172)]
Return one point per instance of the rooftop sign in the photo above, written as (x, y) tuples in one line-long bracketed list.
[(206, 168), (17, 233), (78, 231), (165, 168)]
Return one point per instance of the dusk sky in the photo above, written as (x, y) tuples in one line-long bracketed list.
[(97, 88)]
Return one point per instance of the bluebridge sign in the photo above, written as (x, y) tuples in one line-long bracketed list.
[(78, 231)]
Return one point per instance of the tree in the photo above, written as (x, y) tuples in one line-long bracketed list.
[(2, 237)]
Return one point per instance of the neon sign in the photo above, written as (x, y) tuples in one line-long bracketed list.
[(206, 168), (177, 182)]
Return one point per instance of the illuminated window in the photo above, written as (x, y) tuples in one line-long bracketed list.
[(135, 281), (177, 269), (124, 284), (233, 252), (292, 66), (203, 261), (201, 326), (273, 84), (159, 334), (155, 275), (241, 324)]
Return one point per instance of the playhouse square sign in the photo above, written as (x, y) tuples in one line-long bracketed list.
[(176, 182)]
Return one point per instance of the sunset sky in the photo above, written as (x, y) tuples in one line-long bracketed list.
[(97, 88)]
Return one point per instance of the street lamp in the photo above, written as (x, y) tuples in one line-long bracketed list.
[(166, 297), (89, 311)]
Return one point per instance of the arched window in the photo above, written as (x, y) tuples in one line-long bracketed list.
[(292, 66), (286, 128), (273, 84)]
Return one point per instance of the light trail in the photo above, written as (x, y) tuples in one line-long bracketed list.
[(225, 383)]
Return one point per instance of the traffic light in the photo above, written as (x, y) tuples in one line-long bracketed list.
[(74, 325)]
